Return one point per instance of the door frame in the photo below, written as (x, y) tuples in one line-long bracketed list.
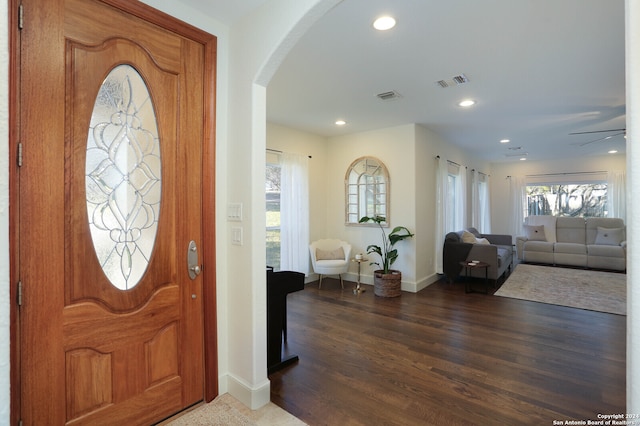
[(149, 14)]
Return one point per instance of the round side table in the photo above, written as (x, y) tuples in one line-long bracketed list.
[(357, 289)]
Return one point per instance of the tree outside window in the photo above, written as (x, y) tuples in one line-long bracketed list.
[(573, 200)]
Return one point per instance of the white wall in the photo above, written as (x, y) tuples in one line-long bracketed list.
[(500, 203), (632, 49), (395, 147)]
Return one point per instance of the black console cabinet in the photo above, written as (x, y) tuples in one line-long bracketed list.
[(279, 285)]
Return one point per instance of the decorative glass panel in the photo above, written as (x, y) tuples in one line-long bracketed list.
[(123, 177), (366, 190)]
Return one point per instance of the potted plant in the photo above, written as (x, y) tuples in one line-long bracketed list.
[(387, 281)]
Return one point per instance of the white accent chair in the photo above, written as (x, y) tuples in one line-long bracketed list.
[(330, 257)]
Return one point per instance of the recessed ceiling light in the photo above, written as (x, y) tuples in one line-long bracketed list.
[(340, 122), (384, 23), (613, 151), (466, 103), (505, 140), (523, 159)]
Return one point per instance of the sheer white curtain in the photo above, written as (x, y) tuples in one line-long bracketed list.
[(294, 213), (480, 209), (475, 200), (441, 209), (616, 194), (485, 205), (518, 197), (460, 220)]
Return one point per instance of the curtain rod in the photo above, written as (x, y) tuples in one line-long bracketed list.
[(567, 173), (280, 152), (480, 173), (597, 172), (452, 162)]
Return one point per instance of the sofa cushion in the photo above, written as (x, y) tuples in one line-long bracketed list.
[(571, 230), (570, 248), (540, 246), (535, 232), (504, 255), (609, 236), (601, 250)]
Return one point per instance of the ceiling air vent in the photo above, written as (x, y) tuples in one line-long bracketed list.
[(454, 81), (460, 79), (389, 96), (516, 154)]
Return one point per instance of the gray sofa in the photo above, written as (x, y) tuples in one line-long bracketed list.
[(594, 242), (494, 249)]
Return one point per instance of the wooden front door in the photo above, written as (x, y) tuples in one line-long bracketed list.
[(114, 130)]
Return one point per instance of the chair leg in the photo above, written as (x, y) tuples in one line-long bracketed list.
[(341, 283), (320, 284)]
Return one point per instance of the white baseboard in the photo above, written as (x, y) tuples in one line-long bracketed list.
[(411, 287), (252, 397)]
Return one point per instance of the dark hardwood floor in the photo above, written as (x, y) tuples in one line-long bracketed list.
[(444, 357)]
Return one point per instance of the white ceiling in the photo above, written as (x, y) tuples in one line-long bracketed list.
[(538, 70)]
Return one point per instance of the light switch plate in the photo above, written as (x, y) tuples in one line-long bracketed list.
[(236, 235), (234, 212)]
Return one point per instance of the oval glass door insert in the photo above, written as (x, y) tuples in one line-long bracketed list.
[(123, 177)]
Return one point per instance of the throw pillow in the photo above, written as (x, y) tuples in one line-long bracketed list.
[(609, 236), (468, 237), (337, 254), (482, 241), (535, 233), (475, 232)]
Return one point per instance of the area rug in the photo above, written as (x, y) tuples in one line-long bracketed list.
[(225, 410), (576, 288)]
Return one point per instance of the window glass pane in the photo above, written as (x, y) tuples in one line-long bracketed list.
[(123, 177)]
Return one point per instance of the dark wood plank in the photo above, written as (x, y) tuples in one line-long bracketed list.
[(445, 357)]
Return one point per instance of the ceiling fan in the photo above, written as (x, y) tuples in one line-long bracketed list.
[(616, 132)]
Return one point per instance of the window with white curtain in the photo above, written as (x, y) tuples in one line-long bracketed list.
[(452, 196), (456, 197), (272, 197), (287, 207), (480, 203)]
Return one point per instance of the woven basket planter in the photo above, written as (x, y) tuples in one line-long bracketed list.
[(387, 285)]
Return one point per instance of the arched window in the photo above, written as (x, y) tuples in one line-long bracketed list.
[(366, 190)]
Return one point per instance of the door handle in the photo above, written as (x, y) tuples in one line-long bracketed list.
[(192, 260)]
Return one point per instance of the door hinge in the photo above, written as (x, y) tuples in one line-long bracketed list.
[(19, 295), (19, 154), (20, 16)]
